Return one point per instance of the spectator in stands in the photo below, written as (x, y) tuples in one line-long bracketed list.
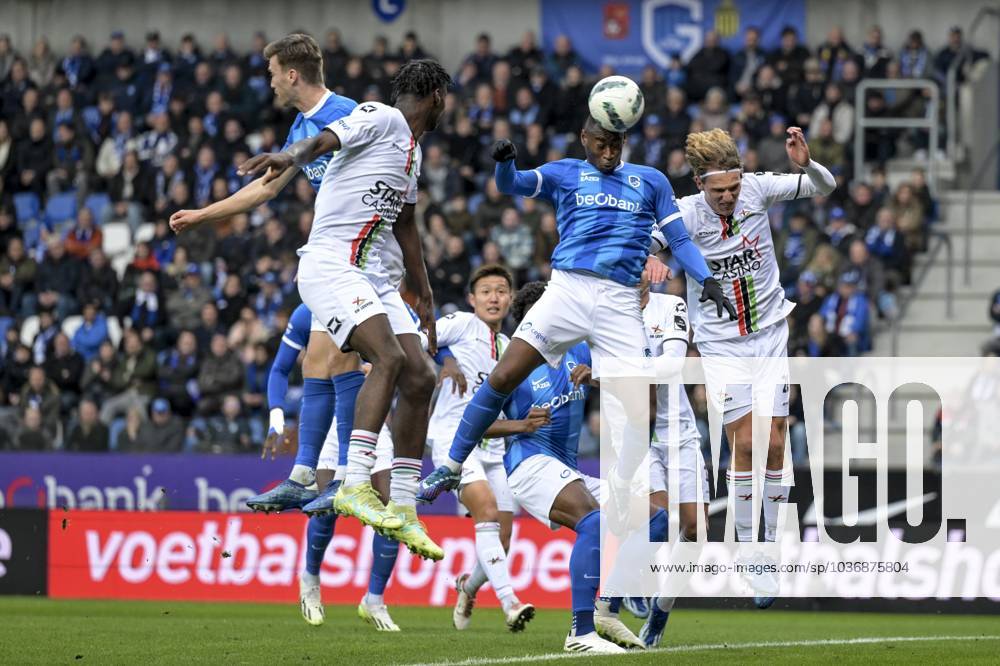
[(819, 342), (41, 393), (48, 328), (861, 207), (872, 278), (163, 433), (745, 63), (914, 60), (875, 56), (177, 374), (525, 57), (885, 242), (184, 305), (221, 374), (115, 54), (805, 95), (562, 58), (516, 244), (708, 68), (98, 282), (825, 149), (155, 145), (32, 436), (41, 63), (231, 301), (34, 158), (96, 381), (846, 314), (836, 109), (807, 303), (839, 230), (132, 379), (84, 236), (796, 246), (451, 276), (834, 52), (790, 57), (227, 433), (714, 110), (680, 174), (146, 308), (72, 161), (89, 434), (58, 277), (64, 368), (911, 218), (87, 339), (17, 277), (675, 120), (771, 149)]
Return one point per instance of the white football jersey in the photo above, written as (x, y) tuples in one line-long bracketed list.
[(365, 187), (739, 252), (666, 319), (476, 348)]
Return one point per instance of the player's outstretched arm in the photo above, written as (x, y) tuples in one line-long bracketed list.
[(251, 195), (299, 154), (405, 230), (818, 180), (509, 180)]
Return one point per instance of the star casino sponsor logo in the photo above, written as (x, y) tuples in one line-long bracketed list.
[(605, 200), (747, 260), (384, 200)]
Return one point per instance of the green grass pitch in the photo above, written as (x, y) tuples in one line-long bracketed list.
[(53, 632)]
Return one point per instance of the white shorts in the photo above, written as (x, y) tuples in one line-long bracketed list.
[(341, 297), (769, 346), (330, 453), (478, 467), (691, 468), (539, 479), (577, 307)]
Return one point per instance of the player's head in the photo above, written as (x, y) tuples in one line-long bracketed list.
[(718, 172), (490, 289), (294, 63), (603, 147), (526, 296), (424, 83)]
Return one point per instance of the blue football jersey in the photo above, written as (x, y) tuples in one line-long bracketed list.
[(296, 333), (310, 123), (605, 221), (549, 387)]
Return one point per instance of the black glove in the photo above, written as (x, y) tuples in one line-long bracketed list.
[(503, 150), (713, 292)]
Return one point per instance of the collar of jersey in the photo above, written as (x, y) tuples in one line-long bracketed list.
[(319, 105)]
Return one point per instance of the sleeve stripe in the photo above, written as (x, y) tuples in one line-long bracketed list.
[(538, 188), (291, 343), (668, 219), (798, 187)]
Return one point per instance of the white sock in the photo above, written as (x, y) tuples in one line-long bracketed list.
[(340, 473), (475, 580), (404, 481), (303, 474), (493, 559), (741, 489), (776, 493), (374, 599), (310, 579), (360, 457), (665, 603)]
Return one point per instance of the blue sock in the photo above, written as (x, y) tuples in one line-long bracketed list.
[(658, 526), (384, 553), (479, 415), (318, 535), (347, 386), (585, 571), (315, 418)]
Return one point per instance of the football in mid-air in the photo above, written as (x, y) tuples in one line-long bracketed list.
[(616, 103)]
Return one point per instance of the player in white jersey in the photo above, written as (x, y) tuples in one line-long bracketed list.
[(676, 439), (368, 192), (728, 221), (475, 343)]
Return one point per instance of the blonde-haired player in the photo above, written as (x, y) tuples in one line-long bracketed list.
[(728, 222)]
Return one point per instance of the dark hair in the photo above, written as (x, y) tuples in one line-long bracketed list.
[(419, 78), (300, 52), (594, 128), (490, 270), (526, 296)]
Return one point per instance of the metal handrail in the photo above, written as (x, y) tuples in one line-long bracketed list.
[(943, 239), (929, 122), (951, 80), (973, 184)]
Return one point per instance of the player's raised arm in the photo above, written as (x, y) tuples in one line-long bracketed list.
[(248, 197), (815, 178), (296, 155), (511, 181)]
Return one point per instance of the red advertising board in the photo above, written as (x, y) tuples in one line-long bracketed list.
[(239, 557)]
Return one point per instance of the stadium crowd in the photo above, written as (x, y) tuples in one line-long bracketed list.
[(116, 333)]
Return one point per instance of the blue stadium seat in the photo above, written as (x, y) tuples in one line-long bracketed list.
[(27, 207), (98, 203), (60, 208)]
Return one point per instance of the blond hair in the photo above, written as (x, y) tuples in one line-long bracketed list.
[(299, 52), (711, 151)]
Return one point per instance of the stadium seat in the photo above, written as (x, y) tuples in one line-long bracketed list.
[(70, 324), (121, 262), (29, 329), (61, 208), (27, 207), (98, 203), (145, 232), (114, 331), (117, 239)]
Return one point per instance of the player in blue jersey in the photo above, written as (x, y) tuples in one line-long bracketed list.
[(295, 64), (610, 216)]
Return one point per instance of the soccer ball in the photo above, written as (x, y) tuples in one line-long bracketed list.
[(616, 103)]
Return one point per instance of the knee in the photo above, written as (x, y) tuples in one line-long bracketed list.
[(339, 362), (418, 381), (314, 363), (390, 359)]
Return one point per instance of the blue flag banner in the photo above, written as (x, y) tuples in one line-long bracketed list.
[(630, 34)]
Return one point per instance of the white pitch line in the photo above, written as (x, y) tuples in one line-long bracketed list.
[(480, 661)]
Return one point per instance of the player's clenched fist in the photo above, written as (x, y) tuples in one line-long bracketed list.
[(184, 219), (503, 150)]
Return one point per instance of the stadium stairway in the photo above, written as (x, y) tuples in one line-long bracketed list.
[(925, 329)]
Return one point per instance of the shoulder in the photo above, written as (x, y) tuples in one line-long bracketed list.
[(690, 202), (458, 319), (647, 173)]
